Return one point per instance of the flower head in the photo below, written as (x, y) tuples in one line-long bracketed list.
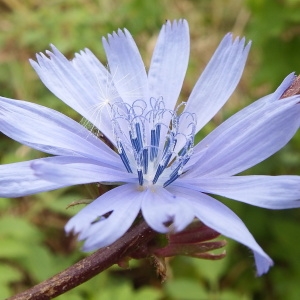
[(156, 166)]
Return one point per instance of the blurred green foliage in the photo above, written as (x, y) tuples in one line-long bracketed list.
[(275, 29), (33, 244)]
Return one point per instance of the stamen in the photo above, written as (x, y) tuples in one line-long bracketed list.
[(139, 137), (174, 175), (159, 171), (145, 160), (124, 157), (136, 147), (140, 176), (153, 152), (170, 180), (155, 139), (134, 142), (163, 164)]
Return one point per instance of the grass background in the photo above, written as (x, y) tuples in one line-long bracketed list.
[(33, 245)]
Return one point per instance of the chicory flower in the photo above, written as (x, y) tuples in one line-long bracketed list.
[(156, 166)]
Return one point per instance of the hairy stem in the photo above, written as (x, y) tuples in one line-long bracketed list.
[(89, 266)]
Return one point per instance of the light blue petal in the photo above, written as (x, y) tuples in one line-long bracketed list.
[(79, 170), (123, 202), (218, 80), (220, 218), (19, 179), (246, 139), (169, 62), (273, 192), (286, 83), (68, 81), (160, 207), (126, 66), (99, 77), (49, 131), (200, 148), (87, 64)]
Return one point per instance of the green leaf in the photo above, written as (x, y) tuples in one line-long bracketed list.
[(148, 293), (61, 204), (19, 229), (8, 274), (4, 203), (231, 295), (5, 291), (40, 263), (120, 291), (213, 270), (13, 249), (179, 289)]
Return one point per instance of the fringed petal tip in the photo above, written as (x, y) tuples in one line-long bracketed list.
[(219, 79), (175, 24), (116, 36), (214, 214), (263, 264), (170, 214), (107, 218), (230, 39)]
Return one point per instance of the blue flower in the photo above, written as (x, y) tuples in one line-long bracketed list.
[(158, 169)]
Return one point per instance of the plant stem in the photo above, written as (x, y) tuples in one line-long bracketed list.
[(89, 266)]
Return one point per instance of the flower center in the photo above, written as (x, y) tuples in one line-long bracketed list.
[(153, 141)]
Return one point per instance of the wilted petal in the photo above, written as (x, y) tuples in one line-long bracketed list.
[(169, 62), (161, 208), (273, 192), (123, 204), (220, 218), (49, 131)]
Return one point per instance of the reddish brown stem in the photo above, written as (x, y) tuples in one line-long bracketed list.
[(89, 266)]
